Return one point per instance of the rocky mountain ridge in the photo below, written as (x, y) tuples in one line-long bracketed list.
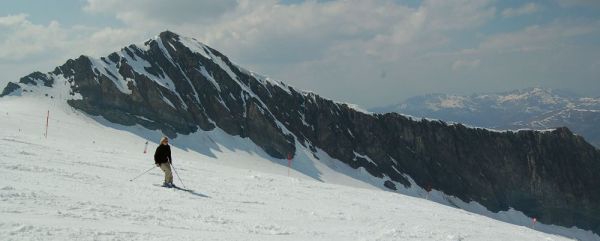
[(179, 86)]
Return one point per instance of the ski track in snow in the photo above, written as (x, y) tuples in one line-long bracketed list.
[(75, 185)]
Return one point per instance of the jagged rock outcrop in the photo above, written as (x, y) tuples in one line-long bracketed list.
[(179, 86)]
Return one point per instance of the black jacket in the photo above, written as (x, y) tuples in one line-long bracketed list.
[(162, 154)]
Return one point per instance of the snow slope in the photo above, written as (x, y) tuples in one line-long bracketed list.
[(74, 185)]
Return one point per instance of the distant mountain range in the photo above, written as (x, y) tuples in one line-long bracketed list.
[(180, 86), (533, 108)]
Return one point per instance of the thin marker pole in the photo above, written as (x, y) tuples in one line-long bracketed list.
[(289, 163), (47, 117), (146, 148)]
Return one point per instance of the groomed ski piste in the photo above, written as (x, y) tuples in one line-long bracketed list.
[(74, 184)]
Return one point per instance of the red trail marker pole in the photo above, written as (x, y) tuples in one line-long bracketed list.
[(289, 163), (146, 148), (47, 117)]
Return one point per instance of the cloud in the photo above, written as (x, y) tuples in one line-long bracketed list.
[(465, 64), (304, 32), (528, 8), (458, 14), (26, 46), (12, 20), (578, 3), (537, 37), (561, 54), (106, 40), (158, 12), (20, 38), (268, 31)]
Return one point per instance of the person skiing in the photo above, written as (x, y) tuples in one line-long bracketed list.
[(162, 159)]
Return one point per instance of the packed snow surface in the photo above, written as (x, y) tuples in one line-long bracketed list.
[(75, 185)]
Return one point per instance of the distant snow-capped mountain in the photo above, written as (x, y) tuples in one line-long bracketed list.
[(533, 108), (180, 86)]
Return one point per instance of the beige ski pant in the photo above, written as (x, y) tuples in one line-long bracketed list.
[(167, 169)]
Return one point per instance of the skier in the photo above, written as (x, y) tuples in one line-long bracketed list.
[(162, 159)]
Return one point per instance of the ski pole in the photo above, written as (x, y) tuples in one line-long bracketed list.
[(142, 173), (177, 175)]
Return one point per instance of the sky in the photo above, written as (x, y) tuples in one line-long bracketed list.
[(367, 52)]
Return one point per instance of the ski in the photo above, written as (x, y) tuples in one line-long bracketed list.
[(174, 187)]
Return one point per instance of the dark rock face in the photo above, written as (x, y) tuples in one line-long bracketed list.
[(170, 85), (184, 102), (390, 185), (31, 79), (10, 88), (548, 175)]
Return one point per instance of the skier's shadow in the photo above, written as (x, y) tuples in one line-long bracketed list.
[(199, 194), (194, 193)]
